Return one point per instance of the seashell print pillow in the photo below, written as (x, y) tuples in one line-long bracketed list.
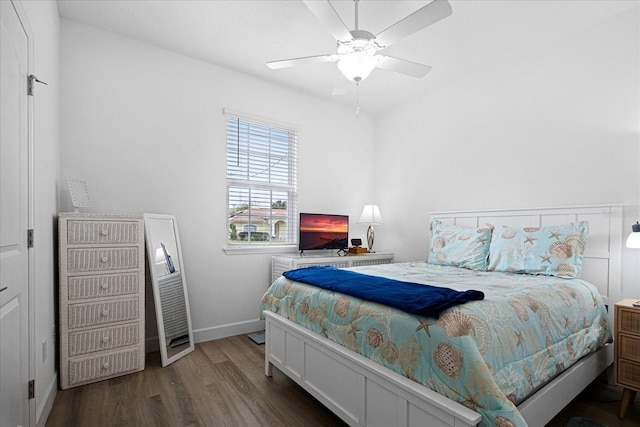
[(465, 247), (551, 251)]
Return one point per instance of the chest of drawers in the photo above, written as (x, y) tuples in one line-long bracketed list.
[(627, 351), (101, 296)]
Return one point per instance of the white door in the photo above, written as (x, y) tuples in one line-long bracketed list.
[(14, 262)]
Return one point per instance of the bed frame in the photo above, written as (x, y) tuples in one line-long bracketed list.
[(364, 393)]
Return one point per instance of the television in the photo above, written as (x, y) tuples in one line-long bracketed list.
[(323, 231)]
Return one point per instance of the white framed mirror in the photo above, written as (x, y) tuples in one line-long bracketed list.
[(164, 255)]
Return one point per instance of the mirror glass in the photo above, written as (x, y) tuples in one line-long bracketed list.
[(169, 287)]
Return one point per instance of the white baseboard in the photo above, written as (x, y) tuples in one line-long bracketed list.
[(214, 333), (43, 410), (229, 330)]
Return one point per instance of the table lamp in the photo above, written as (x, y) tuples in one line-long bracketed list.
[(633, 241)]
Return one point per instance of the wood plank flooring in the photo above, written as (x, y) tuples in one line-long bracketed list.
[(222, 383)]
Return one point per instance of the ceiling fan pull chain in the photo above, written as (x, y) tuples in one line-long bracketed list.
[(357, 100)]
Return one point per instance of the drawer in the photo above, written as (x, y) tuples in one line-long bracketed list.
[(628, 374), (92, 232), (364, 261), (83, 287), (100, 313), (101, 259), (628, 321), (93, 340), (82, 370), (629, 347)]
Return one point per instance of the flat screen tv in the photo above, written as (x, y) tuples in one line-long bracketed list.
[(323, 231)]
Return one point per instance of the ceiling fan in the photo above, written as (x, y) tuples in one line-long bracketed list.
[(357, 50)]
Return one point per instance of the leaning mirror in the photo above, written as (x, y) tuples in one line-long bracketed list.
[(169, 287)]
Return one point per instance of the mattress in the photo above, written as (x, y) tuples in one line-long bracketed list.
[(488, 355)]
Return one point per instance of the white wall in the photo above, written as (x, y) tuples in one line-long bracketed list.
[(44, 22), (144, 127), (559, 126)]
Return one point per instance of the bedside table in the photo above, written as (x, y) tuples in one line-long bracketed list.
[(627, 350)]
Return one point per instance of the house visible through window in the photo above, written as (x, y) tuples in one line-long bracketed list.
[(261, 183)]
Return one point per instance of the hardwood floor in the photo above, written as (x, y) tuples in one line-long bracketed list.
[(222, 383)]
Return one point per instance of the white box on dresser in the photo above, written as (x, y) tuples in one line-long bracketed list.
[(102, 296), (282, 263)]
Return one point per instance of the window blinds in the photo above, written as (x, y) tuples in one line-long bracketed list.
[(261, 182)]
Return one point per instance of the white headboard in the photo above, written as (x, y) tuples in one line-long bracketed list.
[(601, 263)]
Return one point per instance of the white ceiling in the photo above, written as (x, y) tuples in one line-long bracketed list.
[(244, 35)]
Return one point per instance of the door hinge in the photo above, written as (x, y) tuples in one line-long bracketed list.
[(30, 238), (32, 389), (31, 80)]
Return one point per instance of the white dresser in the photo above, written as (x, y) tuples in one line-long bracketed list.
[(102, 318), (282, 263)]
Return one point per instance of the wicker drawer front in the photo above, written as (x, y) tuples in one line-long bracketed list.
[(103, 339), (629, 347), (93, 368), (101, 259), (99, 313), (628, 374), (336, 264), (91, 232), (364, 261), (106, 285), (629, 321)]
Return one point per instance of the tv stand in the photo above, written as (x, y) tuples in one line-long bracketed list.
[(282, 263)]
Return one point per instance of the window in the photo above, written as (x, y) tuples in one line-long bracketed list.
[(261, 183)]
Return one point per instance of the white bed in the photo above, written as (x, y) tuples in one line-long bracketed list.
[(362, 392)]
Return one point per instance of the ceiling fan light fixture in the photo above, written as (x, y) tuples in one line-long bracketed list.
[(357, 66)]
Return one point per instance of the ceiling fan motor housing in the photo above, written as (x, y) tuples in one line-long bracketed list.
[(362, 41)]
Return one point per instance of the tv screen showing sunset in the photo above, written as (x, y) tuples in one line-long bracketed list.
[(320, 231)]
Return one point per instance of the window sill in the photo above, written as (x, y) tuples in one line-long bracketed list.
[(250, 250)]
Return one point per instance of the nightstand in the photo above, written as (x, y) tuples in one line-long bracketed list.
[(627, 350)]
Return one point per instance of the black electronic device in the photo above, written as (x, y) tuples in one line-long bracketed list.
[(322, 231)]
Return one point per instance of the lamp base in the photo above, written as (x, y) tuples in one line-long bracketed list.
[(370, 238)]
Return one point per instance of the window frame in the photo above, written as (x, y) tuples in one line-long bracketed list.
[(290, 188)]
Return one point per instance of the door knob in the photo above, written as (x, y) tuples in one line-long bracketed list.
[(3, 288)]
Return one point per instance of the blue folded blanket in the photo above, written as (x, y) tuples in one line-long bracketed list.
[(414, 298)]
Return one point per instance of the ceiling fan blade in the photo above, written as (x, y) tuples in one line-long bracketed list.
[(402, 66), (324, 11), (421, 18), (285, 63)]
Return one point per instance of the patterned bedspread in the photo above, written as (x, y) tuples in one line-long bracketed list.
[(488, 355)]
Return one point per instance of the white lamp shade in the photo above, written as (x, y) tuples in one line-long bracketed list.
[(371, 215), (633, 241), (357, 66)]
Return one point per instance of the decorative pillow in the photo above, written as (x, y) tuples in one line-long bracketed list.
[(552, 251), (465, 247)]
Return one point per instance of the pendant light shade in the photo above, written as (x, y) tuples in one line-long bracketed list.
[(358, 65)]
